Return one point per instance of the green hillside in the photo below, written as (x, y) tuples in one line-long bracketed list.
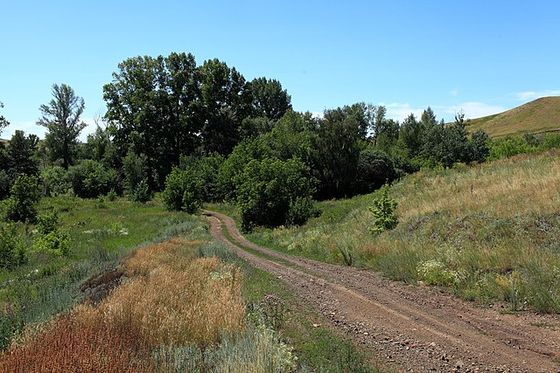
[(541, 115), (488, 232)]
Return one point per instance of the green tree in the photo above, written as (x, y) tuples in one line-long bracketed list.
[(61, 117), (375, 168), (480, 150), (24, 196), (136, 170), (3, 121), (269, 100), (183, 190), (91, 179), (154, 106), (336, 152), (411, 135), (226, 101), (273, 192), (21, 155)]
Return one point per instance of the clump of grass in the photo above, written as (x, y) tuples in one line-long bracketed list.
[(75, 343)]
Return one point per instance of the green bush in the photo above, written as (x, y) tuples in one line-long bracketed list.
[(12, 251), (141, 192), (508, 147), (268, 189), (136, 170), (55, 180), (301, 209), (383, 210), (375, 168), (55, 243), (183, 191), (112, 195), (4, 185), (91, 179), (551, 141), (24, 195), (47, 222)]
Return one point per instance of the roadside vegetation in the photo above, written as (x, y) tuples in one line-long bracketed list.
[(488, 232)]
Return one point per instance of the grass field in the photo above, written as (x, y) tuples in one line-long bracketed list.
[(489, 233), (184, 302), (541, 115)]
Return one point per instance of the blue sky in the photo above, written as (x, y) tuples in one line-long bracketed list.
[(479, 56)]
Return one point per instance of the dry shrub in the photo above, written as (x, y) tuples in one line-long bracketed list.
[(81, 344)]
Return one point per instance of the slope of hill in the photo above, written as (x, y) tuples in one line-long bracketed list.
[(541, 115), (489, 232)]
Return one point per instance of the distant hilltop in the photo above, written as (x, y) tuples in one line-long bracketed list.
[(541, 115)]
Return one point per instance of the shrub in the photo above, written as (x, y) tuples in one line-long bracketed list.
[(55, 243), (551, 141), (300, 210), (141, 192), (508, 147), (434, 272), (375, 168), (183, 191), (269, 188), (91, 179), (12, 252), (479, 146), (136, 177), (4, 185), (24, 196), (383, 210), (47, 222), (112, 195), (55, 181)]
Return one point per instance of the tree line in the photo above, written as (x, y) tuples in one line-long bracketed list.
[(201, 133)]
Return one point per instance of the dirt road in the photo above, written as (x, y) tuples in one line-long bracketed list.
[(408, 328)]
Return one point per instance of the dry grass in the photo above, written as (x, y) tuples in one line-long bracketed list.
[(470, 229), (536, 116), (77, 344), (518, 185), (168, 299)]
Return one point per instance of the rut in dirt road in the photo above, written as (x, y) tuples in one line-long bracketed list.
[(408, 328)]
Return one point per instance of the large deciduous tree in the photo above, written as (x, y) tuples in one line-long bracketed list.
[(226, 101), (3, 121), (269, 99), (61, 117)]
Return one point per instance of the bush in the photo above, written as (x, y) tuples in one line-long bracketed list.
[(141, 192), (12, 252), (47, 222), (112, 195), (301, 209), (55, 181), (183, 191), (508, 147), (25, 194), (4, 185), (383, 210), (375, 168), (136, 177), (479, 146), (91, 179), (55, 243), (270, 188), (551, 141)]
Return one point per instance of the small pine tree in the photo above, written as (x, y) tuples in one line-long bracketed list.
[(383, 210)]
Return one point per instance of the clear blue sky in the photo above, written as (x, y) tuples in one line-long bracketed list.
[(481, 56)]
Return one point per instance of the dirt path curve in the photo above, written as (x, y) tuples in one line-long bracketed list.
[(408, 328)]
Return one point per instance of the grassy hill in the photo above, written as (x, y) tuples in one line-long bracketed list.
[(541, 115), (489, 232)]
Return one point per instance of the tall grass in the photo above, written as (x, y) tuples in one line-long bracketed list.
[(490, 232)]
